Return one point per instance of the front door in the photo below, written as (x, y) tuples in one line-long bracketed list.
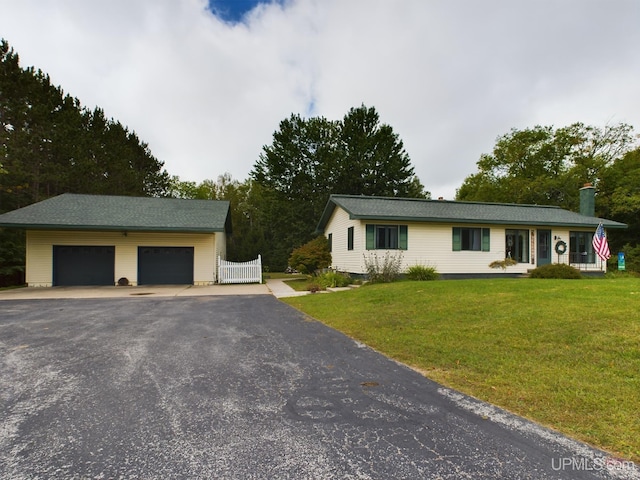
[(544, 247)]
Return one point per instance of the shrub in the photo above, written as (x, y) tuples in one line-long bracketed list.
[(421, 273), (621, 274), (333, 279), (503, 264), (329, 279), (385, 270), (632, 259), (311, 256), (556, 270)]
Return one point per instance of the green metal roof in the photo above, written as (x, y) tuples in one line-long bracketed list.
[(445, 211), (102, 212)]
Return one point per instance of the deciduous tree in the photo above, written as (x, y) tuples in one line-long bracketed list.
[(546, 166)]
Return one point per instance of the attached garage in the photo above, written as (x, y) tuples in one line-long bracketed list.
[(99, 240), (165, 265), (83, 265)]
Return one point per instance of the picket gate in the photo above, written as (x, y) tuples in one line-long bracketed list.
[(240, 272)]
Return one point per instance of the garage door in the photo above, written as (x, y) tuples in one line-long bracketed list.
[(83, 265), (165, 265)]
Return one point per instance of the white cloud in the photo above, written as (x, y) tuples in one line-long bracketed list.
[(448, 76)]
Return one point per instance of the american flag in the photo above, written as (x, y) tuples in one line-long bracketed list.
[(600, 244)]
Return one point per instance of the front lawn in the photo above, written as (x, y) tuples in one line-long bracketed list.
[(565, 353), (299, 284)]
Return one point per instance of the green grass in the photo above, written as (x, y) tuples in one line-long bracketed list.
[(281, 275), (565, 353), (12, 287), (299, 284)]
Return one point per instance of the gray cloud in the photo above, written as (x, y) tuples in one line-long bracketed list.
[(448, 76)]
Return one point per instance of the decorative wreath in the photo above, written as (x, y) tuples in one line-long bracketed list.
[(561, 248)]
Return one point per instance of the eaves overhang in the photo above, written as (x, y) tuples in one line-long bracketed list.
[(387, 209), (109, 228), (487, 221)]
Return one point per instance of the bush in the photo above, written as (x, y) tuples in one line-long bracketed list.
[(556, 270), (621, 274), (632, 259), (330, 279), (311, 256), (421, 273), (333, 279), (387, 270), (503, 264)]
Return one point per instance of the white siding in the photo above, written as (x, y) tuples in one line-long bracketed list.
[(431, 245), (39, 262), (220, 251), (341, 258), (564, 235)]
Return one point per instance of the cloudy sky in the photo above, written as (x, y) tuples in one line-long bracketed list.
[(206, 83)]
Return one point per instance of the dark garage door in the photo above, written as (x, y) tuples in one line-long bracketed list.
[(83, 265), (165, 265)]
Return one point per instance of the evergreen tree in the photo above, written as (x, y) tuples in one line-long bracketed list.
[(310, 159), (50, 145)]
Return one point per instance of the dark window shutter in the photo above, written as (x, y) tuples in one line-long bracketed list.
[(486, 240), (457, 239), (371, 237), (403, 240)]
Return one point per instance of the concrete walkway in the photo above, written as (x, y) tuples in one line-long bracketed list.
[(279, 288), (275, 287)]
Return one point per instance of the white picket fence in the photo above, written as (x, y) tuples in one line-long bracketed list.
[(240, 272)]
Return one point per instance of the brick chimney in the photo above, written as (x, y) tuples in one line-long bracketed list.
[(588, 200)]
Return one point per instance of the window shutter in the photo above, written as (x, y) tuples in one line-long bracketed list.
[(486, 240), (371, 237), (457, 239), (402, 240)]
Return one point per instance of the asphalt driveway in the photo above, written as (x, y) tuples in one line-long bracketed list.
[(242, 387)]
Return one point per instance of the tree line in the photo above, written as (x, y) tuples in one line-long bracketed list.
[(547, 166), (51, 145), (278, 207)]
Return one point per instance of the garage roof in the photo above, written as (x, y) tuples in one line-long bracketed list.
[(420, 210), (102, 212)]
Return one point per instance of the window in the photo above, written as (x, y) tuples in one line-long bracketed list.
[(330, 241), (581, 248), (474, 239), (350, 238), (387, 237), (517, 245)]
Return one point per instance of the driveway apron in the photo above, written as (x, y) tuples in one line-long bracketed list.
[(242, 387)]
